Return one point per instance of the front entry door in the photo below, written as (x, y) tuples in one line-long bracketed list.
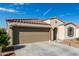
[(54, 33)]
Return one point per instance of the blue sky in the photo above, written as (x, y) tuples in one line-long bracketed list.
[(66, 12)]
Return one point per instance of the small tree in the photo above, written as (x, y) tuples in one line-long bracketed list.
[(4, 39)]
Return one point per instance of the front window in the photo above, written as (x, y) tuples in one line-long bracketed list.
[(70, 31)]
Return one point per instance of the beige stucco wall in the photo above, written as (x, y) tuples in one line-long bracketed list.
[(77, 33), (57, 25), (47, 21), (54, 24), (61, 33), (66, 27), (60, 30), (27, 24), (9, 30), (51, 31), (21, 24)]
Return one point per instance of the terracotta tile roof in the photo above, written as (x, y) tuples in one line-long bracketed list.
[(77, 25), (66, 23), (31, 21), (36, 21)]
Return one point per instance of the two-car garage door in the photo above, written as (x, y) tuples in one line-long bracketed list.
[(23, 35)]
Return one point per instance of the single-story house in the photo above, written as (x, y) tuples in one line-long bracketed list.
[(34, 30)]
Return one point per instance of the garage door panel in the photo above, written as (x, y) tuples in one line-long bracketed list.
[(29, 35)]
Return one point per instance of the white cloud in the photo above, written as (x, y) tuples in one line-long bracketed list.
[(18, 3), (21, 3), (47, 11), (7, 10)]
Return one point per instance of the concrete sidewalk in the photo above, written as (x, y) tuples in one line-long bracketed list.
[(45, 49)]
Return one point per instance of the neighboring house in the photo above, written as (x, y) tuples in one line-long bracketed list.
[(33, 30)]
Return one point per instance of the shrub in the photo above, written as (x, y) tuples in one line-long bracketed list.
[(4, 38)]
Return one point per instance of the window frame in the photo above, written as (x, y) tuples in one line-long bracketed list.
[(70, 31)]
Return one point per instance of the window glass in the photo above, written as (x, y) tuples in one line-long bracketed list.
[(70, 31)]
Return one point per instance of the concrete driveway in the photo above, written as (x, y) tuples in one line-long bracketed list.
[(45, 49)]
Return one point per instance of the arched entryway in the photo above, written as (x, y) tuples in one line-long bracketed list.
[(55, 33)]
